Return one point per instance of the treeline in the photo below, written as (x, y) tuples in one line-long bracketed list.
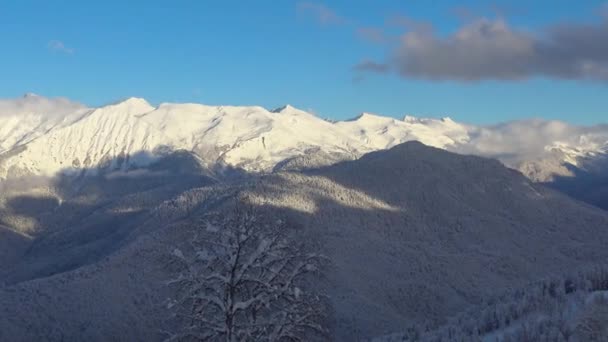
[(572, 308)]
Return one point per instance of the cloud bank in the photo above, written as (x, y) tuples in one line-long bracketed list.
[(533, 139), (38, 105), (485, 49)]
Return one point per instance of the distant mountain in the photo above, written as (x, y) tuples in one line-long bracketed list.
[(132, 133), (41, 136), (24, 119), (412, 234), (92, 200), (586, 181), (417, 232)]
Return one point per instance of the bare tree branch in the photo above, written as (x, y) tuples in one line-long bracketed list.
[(242, 279)]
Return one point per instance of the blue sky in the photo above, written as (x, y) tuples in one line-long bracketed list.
[(304, 53)]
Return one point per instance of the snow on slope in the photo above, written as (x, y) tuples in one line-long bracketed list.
[(133, 133), (251, 137), (379, 132), (102, 135), (538, 148), (587, 146), (44, 136), (29, 117)]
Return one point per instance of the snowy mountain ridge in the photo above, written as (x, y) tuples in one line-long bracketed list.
[(41, 136)]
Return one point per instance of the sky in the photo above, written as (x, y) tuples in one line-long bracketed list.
[(479, 62)]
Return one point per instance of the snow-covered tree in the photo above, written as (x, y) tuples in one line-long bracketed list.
[(241, 280), (568, 308)]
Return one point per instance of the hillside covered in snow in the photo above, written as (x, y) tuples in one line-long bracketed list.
[(411, 235), (42, 136), (93, 201)]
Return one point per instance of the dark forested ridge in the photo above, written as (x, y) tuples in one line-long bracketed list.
[(409, 237)]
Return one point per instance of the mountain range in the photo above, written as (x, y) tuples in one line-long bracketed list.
[(38, 135), (414, 234), (418, 225)]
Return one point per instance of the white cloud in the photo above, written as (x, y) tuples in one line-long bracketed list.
[(59, 46), (491, 49), (532, 139), (34, 104)]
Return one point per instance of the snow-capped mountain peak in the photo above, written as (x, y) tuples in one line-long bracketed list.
[(131, 104), (372, 118), (285, 108), (30, 95), (31, 116), (46, 136)]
